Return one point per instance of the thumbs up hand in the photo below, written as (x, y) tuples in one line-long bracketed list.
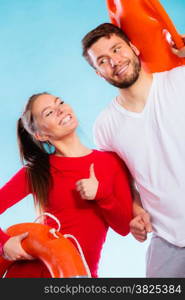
[(88, 187)]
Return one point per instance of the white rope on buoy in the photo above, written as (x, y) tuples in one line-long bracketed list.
[(81, 253), (54, 230), (4, 274)]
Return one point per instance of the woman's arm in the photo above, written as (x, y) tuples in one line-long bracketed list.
[(115, 200), (13, 191), (3, 239), (113, 196)]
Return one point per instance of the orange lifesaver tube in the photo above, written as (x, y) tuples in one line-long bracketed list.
[(58, 253), (145, 23)]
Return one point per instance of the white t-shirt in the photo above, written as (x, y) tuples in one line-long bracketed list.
[(152, 144)]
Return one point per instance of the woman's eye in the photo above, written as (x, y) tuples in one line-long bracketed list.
[(59, 101), (48, 113)]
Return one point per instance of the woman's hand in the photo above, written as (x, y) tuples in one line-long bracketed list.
[(88, 187), (12, 249)]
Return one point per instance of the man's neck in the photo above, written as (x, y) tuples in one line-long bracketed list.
[(135, 97)]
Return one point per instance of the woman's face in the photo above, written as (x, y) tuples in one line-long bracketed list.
[(53, 118)]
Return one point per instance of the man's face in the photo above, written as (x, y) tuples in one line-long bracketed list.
[(115, 61)]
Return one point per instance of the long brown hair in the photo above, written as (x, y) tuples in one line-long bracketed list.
[(34, 155)]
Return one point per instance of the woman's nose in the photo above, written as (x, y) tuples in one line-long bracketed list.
[(60, 110)]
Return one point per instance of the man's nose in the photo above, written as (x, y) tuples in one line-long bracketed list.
[(115, 61)]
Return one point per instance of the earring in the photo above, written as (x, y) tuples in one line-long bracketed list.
[(48, 147)]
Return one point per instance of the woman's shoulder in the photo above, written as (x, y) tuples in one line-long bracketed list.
[(109, 156)]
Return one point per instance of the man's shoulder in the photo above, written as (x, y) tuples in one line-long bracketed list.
[(170, 81), (104, 114), (175, 72), (101, 129)]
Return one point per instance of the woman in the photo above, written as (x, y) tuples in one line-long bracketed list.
[(87, 190)]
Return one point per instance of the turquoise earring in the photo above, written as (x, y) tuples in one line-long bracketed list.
[(49, 148)]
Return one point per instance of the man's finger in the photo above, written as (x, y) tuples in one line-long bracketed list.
[(147, 222), (149, 227), (179, 52), (175, 50), (141, 239), (137, 224), (137, 231)]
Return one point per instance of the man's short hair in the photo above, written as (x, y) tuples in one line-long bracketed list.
[(103, 30)]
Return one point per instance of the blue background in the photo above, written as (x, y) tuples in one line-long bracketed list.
[(41, 51)]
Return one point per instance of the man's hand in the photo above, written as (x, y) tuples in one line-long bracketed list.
[(13, 250), (88, 187), (140, 226), (179, 52)]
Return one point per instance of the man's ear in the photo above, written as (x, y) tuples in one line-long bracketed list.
[(99, 74), (135, 49)]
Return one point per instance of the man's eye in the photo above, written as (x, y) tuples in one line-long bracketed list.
[(103, 61), (116, 49), (61, 102)]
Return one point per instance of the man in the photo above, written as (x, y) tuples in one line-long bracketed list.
[(145, 125)]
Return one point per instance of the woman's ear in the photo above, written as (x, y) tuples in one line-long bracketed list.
[(40, 137)]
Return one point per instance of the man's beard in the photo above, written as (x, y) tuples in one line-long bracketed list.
[(130, 79)]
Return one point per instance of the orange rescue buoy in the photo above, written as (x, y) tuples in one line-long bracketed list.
[(148, 27), (60, 256)]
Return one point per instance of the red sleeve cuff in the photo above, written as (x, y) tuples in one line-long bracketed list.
[(3, 239)]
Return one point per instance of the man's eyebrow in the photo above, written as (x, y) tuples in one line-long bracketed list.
[(115, 45), (103, 55), (49, 105)]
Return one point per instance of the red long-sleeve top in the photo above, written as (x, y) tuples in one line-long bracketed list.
[(87, 220)]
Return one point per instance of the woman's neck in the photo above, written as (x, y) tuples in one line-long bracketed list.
[(71, 146)]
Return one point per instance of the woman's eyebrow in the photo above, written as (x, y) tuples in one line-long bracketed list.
[(55, 100)]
